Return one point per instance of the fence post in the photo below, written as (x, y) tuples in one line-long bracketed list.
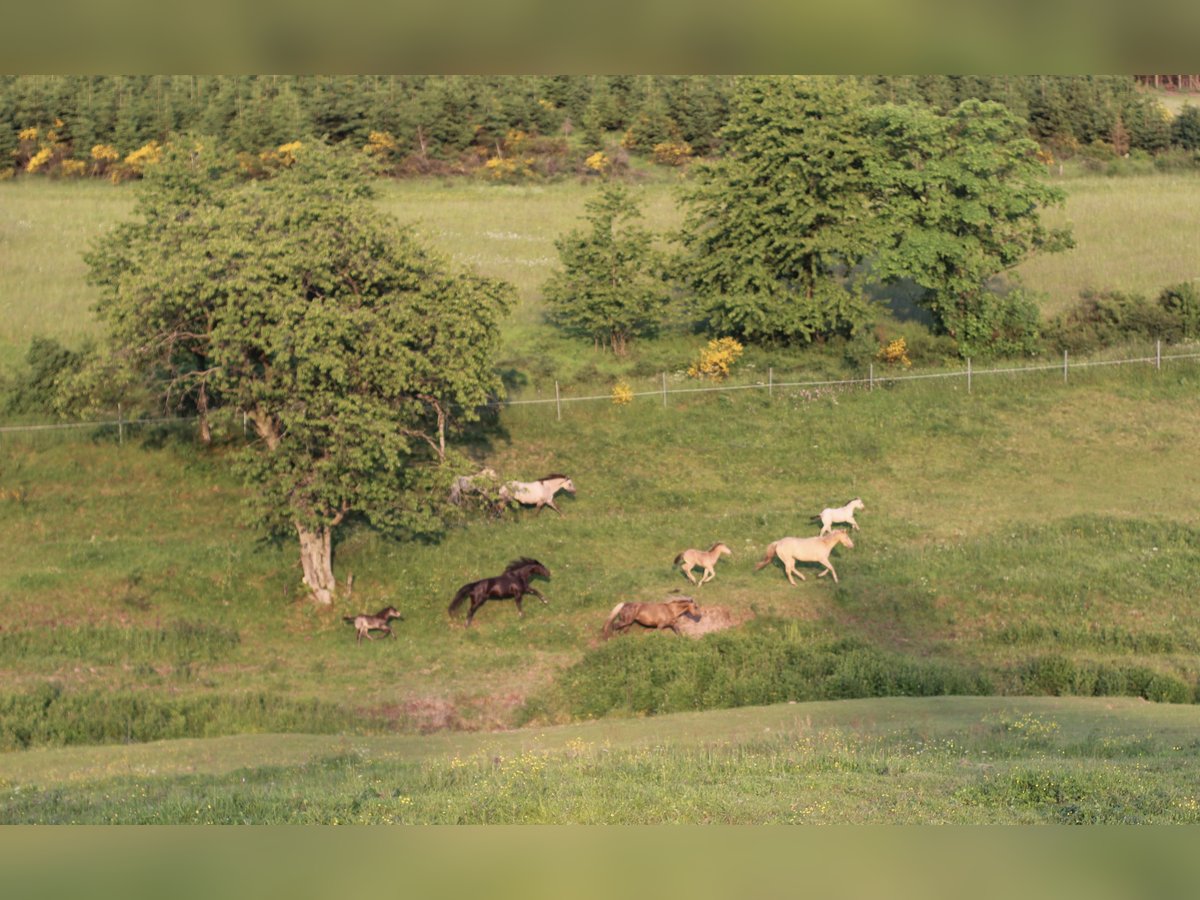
[(968, 374), (120, 425), (1158, 354), (1064, 367), (664, 377), (244, 417), (871, 378), (770, 381), (558, 401)]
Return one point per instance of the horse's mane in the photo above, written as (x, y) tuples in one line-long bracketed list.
[(522, 562), (552, 475)]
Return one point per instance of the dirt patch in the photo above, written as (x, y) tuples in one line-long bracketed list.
[(712, 618)]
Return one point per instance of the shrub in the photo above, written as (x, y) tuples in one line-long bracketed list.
[(1108, 318), (716, 359), (767, 661), (48, 716)]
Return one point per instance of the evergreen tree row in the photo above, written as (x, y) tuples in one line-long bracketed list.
[(433, 121)]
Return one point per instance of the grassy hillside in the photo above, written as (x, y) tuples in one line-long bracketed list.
[(1028, 537), (947, 760), (1133, 234), (1030, 530)]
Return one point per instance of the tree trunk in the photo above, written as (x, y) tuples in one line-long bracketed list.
[(316, 557), (202, 411)]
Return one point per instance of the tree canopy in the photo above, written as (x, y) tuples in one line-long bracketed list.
[(819, 193), (353, 350)]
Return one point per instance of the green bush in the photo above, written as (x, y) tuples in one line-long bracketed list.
[(51, 717), (1058, 676), (764, 662), (1109, 318)]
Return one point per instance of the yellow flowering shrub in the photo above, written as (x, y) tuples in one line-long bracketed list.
[(672, 153), (895, 353), (716, 359), (622, 393), (598, 162), (105, 153), (380, 144), (39, 159), (146, 155), (27, 134), (73, 168)]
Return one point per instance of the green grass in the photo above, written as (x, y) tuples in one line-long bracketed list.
[(1133, 234), (1041, 535), (945, 760)]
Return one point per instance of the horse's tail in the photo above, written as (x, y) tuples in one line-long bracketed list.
[(767, 559), (616, 611), (349, 620), (460, 597), (679, 558)]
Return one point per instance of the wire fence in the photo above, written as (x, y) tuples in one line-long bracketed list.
[(870, 382)]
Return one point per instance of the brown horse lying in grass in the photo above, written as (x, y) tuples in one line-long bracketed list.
[(792, 550), (652, 615), (706, 559), (365, 624)]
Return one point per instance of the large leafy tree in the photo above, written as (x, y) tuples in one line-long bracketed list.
[(774, 227), (960, 195), (608, 287), (354, 351)]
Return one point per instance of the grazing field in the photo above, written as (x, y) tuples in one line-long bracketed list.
[(1031, 537), (900, 760), (1134, 233)]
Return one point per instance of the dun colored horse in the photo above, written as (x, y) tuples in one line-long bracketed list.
[(365, 624), (537, 493), (689, 559), (792, 550), (512, 584), (652, 615), (844, 514)]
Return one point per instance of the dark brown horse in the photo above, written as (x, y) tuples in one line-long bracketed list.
[(652, 615), (513, 583), (365, 624)]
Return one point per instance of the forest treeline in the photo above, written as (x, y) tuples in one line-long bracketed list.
[(506, 126)]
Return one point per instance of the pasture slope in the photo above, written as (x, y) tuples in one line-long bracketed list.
[(1028, 537)]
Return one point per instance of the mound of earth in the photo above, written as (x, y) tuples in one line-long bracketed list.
[(712, 618)]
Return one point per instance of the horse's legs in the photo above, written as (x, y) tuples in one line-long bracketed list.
[(532, 590), (550, 503), (709, 575), (852, 522), (790, 567), (831, 572), (687, 570)]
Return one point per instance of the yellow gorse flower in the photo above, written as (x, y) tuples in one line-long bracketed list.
[(716, 359), (895, 353)]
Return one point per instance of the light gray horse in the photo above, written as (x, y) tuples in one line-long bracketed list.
[(537, 493)]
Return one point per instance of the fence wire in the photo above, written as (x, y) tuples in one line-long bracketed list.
[(870, 382)]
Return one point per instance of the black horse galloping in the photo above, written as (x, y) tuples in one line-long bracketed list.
[(514, 583)]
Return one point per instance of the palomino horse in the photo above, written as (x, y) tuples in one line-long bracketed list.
[(538, 493), (381, 621), (513, 583), (792, 550), (843, 514), (689, 559), (652, 615)]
